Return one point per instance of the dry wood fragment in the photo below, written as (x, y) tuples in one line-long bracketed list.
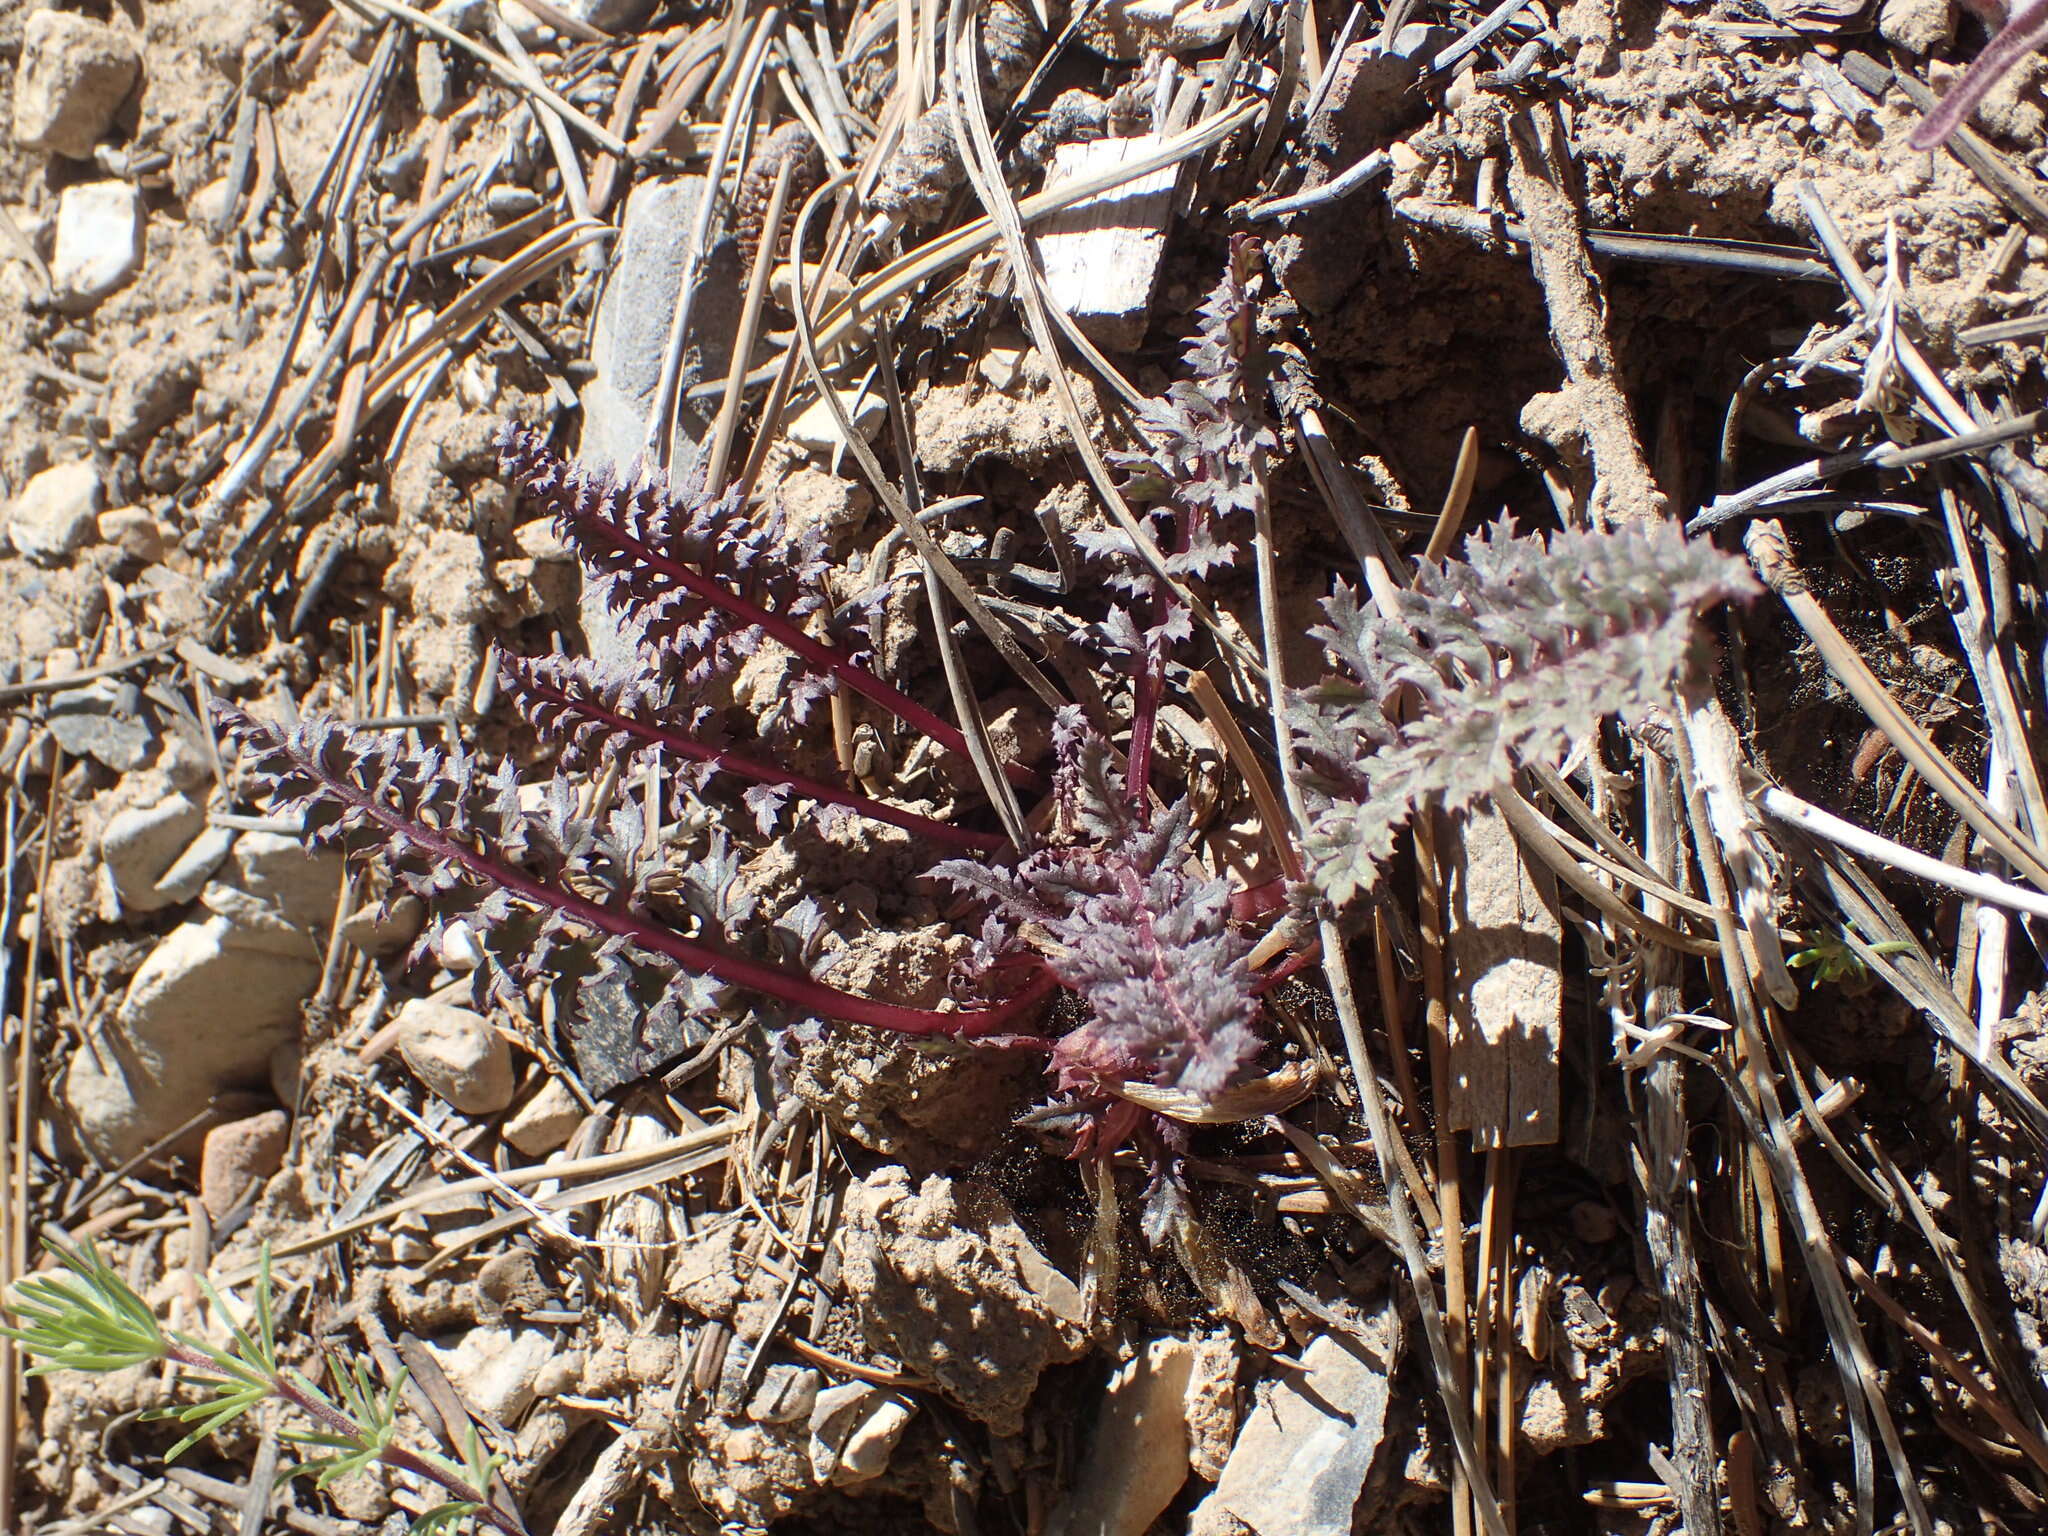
[(1101, 256), (1507, 987), (1624, 489)]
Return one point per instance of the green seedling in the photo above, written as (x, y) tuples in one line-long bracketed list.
[(1833, 961), (87, 1318)]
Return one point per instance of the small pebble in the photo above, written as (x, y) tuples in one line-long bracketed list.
[(546, 1121), (511, 202), (99, 240), (238, 1155), (56, 513), (456, 1054), (134, 532)]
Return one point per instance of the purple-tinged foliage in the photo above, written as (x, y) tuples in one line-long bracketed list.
[(538, 884), (703, 581), (1206, 445), (2024, 31), (1512, 653), (1207, 439), (699, 577), (1118, 918), (592, 719)]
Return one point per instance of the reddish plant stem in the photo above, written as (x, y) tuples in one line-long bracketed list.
[(799, 991), (2021, 35), (763, 773), (819, 653), (335, 1422), (1145, 692)]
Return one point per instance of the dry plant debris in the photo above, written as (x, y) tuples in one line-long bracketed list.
[(699, 837)]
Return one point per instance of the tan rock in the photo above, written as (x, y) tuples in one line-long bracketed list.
[(238, 1155), (456, 1054), (74, 75), (546, 1121), (56, 512), (134, 532)]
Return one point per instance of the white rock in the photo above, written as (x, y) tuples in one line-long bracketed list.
[(56, 512), (854, 1430), (139, 847), (816, 429), (204, 1012), (99, 241), (546, 1121), (456, 1054), (74, 75), (615, 16), (496, 1368)]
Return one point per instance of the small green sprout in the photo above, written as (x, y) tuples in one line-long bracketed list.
[(1834, 961), (87, 1318)]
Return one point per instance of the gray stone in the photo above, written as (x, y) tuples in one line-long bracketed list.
[(630, 335), (102, 721), (187, 877), (139, 846), (1305, 1451), (203, 1013), (99, 241), (147, 387), (302, 886), (57, 512), (629, 340), (74, 75), (457, 1055)]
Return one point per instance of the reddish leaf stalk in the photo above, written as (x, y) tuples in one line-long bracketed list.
[(789, 987), (335, 1422), (819, 653), (767, 773), (2025, 31)]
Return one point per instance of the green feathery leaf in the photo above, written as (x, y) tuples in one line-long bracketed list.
[(87, 1319)]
